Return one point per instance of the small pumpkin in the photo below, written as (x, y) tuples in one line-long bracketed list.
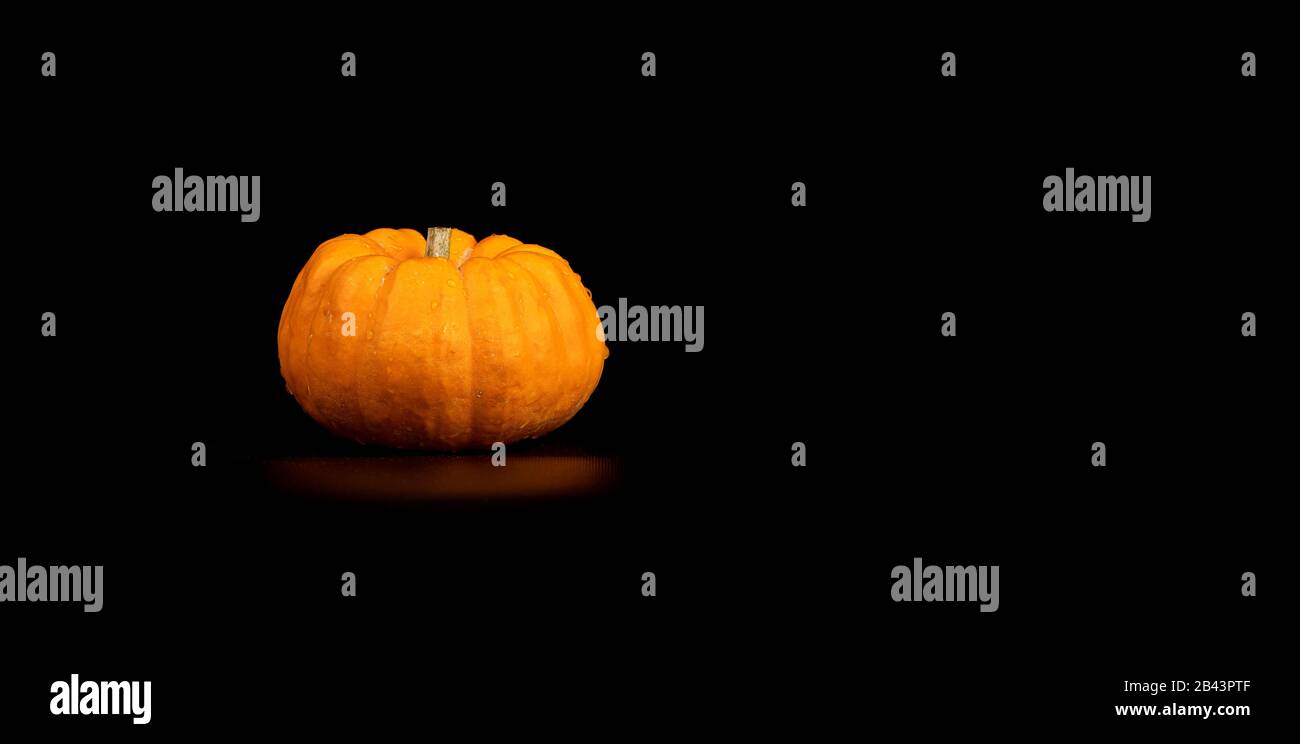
[(451, 344)]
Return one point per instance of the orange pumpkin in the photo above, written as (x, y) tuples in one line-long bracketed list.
[(450, 344)]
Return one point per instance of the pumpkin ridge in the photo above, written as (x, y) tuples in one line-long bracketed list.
[(354, 406), (442, 395), (494, 325), (306, 353), (324, 295), (528, 357), (547, 252), (473, 368), (577, 295), (314, 280), (342, 408), (311, 335), (416, 335), (499, 398), (285, 332), (543, 299), (374, 244), (379, 313)]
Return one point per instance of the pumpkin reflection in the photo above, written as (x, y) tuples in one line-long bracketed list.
[(435, 477)]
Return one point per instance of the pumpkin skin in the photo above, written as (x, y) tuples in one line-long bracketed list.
[(495, 341)]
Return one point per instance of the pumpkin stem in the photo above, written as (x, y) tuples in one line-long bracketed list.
[(439, 243)]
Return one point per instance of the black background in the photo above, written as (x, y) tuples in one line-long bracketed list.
[(822, 326)]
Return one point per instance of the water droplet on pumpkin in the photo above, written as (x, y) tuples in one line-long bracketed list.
[(510, 274), (434, 305), (478, 393), (451, 282)]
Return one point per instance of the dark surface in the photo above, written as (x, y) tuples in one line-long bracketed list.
[(520, 604)]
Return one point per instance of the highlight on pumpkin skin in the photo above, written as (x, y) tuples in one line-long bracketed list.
[(455, 343)]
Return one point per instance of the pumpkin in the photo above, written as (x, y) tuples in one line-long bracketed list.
[(439, 342)]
